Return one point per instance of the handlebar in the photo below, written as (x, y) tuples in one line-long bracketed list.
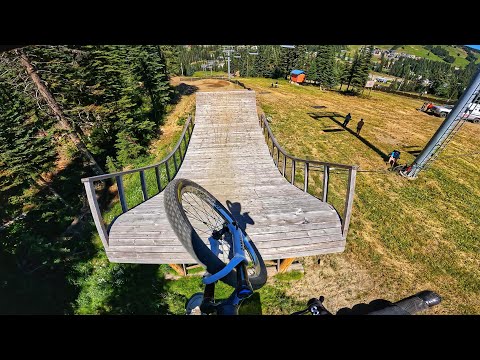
[(408, 306), (411, 305)]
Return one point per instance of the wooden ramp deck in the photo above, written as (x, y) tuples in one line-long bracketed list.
[(228, 155)]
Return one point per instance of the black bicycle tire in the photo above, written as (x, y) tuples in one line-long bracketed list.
[(194, 244)]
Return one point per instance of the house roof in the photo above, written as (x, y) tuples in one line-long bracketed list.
[(297, 72)]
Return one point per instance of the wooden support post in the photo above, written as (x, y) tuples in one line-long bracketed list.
[(180, 151), (284, 164), (278, 157), (168, 170), (185, 146), (284, 264), (121, 193), (305, 176), (96, 214), (159, 179), (143, 183), (175, 162), (268, 145), (326, 171), (352, 174), (293, 172), (179, 269)]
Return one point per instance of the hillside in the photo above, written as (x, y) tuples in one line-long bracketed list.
[(457, 51)]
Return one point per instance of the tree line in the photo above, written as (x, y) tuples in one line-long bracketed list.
[(68, 112), (435, 77)]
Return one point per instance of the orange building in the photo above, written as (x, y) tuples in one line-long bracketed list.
[(297, 76)]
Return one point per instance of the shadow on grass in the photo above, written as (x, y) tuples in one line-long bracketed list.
[(183, 89), (333, 130), (252, 305), (332, 115), (414, 152), (37, 257), (138, 289)]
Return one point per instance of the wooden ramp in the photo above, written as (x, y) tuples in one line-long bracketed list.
[(228, 156)]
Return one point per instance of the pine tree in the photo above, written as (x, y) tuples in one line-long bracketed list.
[(325, 64), (63, 122), (260, 68), (360, 68), (172, 59), (26, 146), (287, 61), (382, 62), (300, 57), (353, 71), (312, 72)]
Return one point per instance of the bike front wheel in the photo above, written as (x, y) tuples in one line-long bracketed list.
[(199, 221)]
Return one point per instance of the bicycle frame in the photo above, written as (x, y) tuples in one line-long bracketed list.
[(238, 262), (238, 238)]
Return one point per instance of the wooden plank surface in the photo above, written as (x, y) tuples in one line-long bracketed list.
[(228, 156)]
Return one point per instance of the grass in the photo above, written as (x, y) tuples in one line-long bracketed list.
[(406, 235), (419, 50)]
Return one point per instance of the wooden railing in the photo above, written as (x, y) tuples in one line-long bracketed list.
[(89, 182), (280, 157)]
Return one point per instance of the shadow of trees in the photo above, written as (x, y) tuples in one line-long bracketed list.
[(37, 257)]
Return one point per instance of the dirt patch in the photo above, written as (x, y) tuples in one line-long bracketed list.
[(206, 84), (218, 84)]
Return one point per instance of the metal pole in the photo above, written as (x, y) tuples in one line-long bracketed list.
[(444, 130), (229, 66)]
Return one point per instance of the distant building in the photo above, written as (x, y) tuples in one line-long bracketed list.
[(297, 76)]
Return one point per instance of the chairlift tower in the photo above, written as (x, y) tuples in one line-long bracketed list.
[(468, 101), (228, 50)]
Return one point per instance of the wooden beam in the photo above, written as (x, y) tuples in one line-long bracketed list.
[(352, 174), (284, 264), (159, 179), (96, 214), (305, 177), (121, 193), (143, 184), (326, 170), (179, 269)]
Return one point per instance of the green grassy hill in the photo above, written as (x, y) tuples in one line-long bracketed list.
[(456, 51)]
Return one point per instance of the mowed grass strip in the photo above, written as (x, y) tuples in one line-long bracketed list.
[(407, 235)]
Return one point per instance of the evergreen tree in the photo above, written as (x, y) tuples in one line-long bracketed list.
[(300, 57), (360, 68), (312, 73), (260, 68), (26, 146), (382, 62), (354, 76), (287, 61), (325, 64), (172, 59)]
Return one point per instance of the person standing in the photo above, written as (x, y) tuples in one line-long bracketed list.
[(347, 120), (359, 126), (394, 156)]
